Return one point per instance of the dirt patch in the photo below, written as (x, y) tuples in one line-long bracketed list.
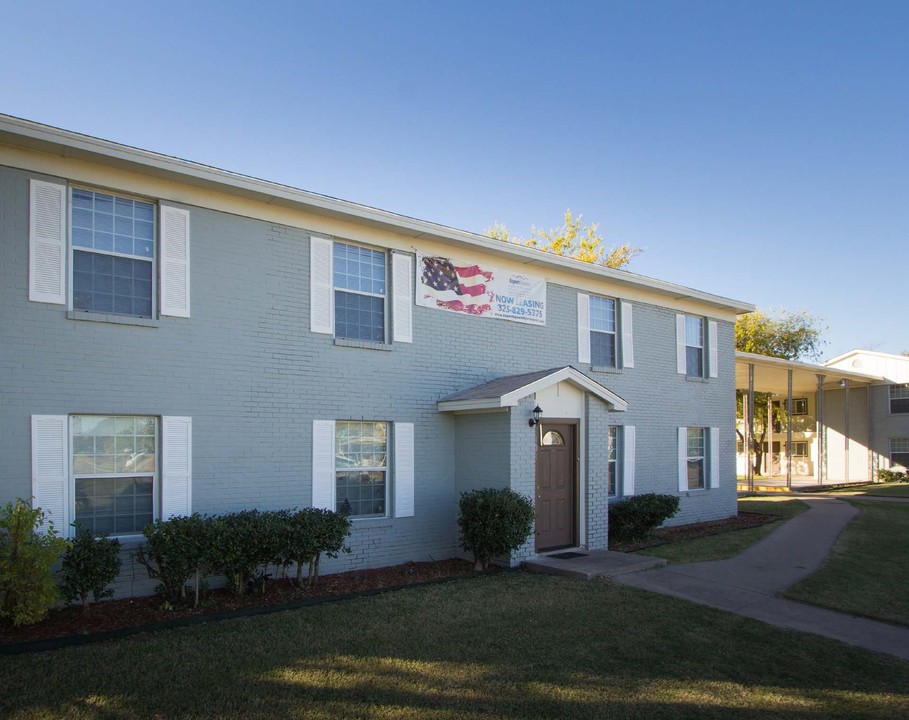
[(664, 536), (132, 612)]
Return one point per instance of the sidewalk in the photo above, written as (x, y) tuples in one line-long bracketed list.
[(746, 584)]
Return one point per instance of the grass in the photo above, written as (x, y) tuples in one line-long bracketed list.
[(505, 646), (867, 572), (893, 489), (729, 544)]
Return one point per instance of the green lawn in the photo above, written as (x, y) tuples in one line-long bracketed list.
[(729, 544), (508, 646), (868, 571), (875, 489)]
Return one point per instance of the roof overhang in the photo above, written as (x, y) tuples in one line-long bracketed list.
[(477, 401), (772, 375), (44, 138)]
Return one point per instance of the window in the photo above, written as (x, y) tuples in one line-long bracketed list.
[(361, 468), (899, 452), (113, 251), (602, 332), (799, 449), (799, 406), (613, 446), (694, 346), (696, 457), (359, 292), (114, 462), (899, 399), (552, 437)]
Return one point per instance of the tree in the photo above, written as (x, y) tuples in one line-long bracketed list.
[(572, 239), (786, 335), (791, 336)]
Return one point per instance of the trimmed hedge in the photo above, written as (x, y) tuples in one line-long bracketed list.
[(893, 476), (90, 564), (493, 523), (635, 517)]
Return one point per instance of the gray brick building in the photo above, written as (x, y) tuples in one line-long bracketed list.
[(176, 338)]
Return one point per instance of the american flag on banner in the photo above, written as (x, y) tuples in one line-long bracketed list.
[(461, 289)]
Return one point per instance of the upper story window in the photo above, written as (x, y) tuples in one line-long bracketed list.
[(113, 254), (359, 285), (602, 331), (899, 399), (106, 254), (694, 346)]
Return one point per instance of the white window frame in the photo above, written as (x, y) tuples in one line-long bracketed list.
[(896, 446), (71, 249), (703, 457), (702, 347), (799, 448), (612, 461), (386, 469), (156, 475), (384, 296), (613, 333), (898, 392), (799, 406)]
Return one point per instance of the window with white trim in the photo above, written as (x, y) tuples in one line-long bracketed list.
[(899, 452), (697, 458), (113, 253), (114, 470), (694, 346), (799, 406), (359, 292), (361, 468), (899, 399), (613, 455), (799, 449), (602, 331)]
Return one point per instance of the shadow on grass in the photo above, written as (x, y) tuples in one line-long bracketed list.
[(510, 646)]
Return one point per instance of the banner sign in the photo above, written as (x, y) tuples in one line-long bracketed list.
[(448, 284)]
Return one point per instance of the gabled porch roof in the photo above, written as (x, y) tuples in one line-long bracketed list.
[(508, 391)]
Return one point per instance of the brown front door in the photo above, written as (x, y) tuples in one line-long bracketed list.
[(555, 486)]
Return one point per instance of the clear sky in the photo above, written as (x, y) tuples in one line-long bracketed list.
[(757, 150)]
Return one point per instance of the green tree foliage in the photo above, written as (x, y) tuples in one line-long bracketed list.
[(783, 334), (572, 239), (90, 564), (791, 336), (29, 547), (493, 523)]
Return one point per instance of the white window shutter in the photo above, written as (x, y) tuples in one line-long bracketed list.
[(683, 459), (627, 334), (714, 457), (402, 299), (323, 464), (712, 349), (404, 473), (628, 461), (583, 328), (47, 242), (321, 302), (174, 224), (681, 360), (50, 469), (176, 466)]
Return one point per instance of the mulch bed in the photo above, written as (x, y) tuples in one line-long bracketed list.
[(112, 615), (664, 536)]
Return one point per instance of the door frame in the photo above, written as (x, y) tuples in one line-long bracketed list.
[(575, 480)]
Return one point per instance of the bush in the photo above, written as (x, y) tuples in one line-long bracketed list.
[(175, 551), (892, 476), (245, 544), (90, 564), (635, 517), (493, 523), (27, 553)]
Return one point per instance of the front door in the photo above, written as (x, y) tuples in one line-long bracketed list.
[(556, 476)]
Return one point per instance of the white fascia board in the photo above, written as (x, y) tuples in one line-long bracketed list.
[(25, 133), (829, 373)]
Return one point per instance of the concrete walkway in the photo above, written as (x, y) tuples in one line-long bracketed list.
[(747, 583)]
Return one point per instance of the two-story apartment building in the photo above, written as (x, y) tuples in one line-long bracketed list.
[(176, 338)]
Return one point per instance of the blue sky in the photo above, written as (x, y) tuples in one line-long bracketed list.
[(758, 150)]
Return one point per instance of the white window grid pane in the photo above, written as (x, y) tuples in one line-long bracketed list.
[(695, 443), (361, 445), (602, 314), (899, 392), (359, 269), (613, 442), (111, 444), (899, 445), (113, 224), (694, 331)]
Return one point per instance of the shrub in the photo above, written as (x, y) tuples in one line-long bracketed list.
[(27, 553), (892, 476), (493, 523), (245, 544), (90, 564), (175, 551), (637, 516)]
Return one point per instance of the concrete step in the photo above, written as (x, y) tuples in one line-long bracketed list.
[(593, 564)]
